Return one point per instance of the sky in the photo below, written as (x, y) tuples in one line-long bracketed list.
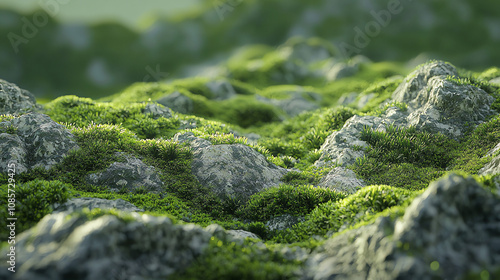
[(131, 12)]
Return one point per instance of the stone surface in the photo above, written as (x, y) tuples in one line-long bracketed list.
[(177, 102), (242, 234), (283, 222), (38, 142), (455, 223), (131, 175), (157, 111), (233, 171), (341, 179), (292, 106), (147, 247), (492, 167), (340, 146), (437, 105), (77, 204), (221, 89), (14, 100)]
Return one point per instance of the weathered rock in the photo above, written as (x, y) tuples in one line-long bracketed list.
[(437, 105), (340, 147), (495, 81), (77, 204), (38, 142), (221, 89), (341, 179), (233, 171), (131, 175), (177, 102), (283, 222), (14, 100), (292, 106), (242, 234), (347, 99), (453, 224), (341, 70), (492, 167), (107, 247), (157, 111)]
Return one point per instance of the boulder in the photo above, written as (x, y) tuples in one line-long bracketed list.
[(495, 81), (157, 111), (448, 231), (38, 142), (131, 175), (437, 104), (343, 147), (341, 179), (283, 222), (61, 246), (242, 234), (295, 104), (492, 167), (14, 100), (177, 102), (77, 204), (221, 89), (233, 171)]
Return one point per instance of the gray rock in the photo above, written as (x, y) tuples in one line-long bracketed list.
[(14, 100), (492, 167), (343, 147), (437, 105), (295, 104), (242, 234), (157, 111), (341, 70), (347, 99), (77, 204), (363, 100), (455, 222), (107, 247), (283, 222), (233, 171), (131, 175), (38, 142), (221, 89), (341, 179), (177, 102), (495, 81)]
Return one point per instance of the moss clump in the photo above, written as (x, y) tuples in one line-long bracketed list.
[(286, 199), (33, 200), (230, 260), (333, 216)]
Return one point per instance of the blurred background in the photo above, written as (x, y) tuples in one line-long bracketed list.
[(96, 48)]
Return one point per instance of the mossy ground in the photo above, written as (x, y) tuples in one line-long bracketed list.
[(399, 164)]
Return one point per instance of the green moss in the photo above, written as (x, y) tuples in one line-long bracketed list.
[(33, 200), (230, 260), (286, 199), (330, 217)]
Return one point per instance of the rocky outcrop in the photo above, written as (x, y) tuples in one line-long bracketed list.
[(130, 175), (436, 104), (178, 102), (133, 246), (14, 100), (38, 142), (295, 104), (341, 179), (233, 171), (492, 167), (221, 89), (451, 229), (157, 111), (283, 222), (77, 204)]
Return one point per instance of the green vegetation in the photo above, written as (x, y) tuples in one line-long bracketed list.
[(33, 200)]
